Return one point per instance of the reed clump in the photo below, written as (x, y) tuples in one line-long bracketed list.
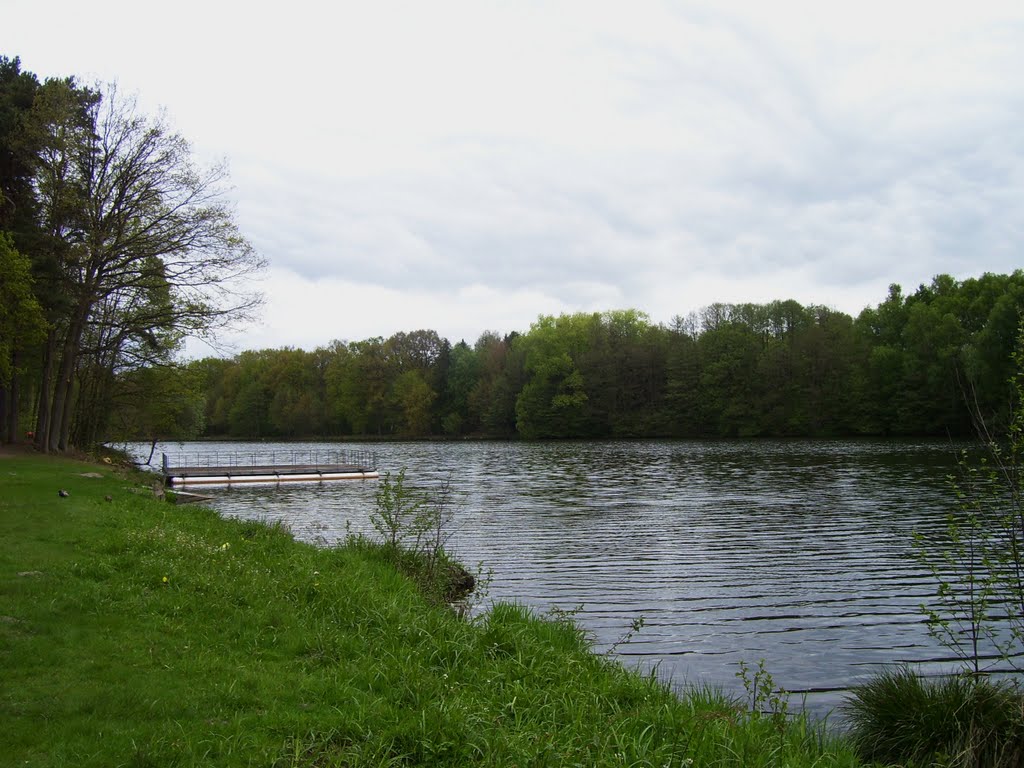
[(899, 717)]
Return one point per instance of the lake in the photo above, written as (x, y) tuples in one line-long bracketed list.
[(798, 552)]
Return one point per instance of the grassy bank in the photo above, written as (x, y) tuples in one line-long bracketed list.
[(134, 632)]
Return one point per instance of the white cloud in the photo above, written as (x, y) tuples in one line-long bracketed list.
[(309, 313)]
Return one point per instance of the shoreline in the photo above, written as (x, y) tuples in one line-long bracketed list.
[(181, 607)]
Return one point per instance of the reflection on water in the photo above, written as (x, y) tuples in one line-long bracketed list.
[(798, 552)]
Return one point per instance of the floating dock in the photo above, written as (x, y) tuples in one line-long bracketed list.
[(299, 466)]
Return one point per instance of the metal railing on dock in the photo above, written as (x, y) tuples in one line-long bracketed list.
[(277, 464)]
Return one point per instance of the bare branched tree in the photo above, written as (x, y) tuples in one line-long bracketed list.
[(151, 251)]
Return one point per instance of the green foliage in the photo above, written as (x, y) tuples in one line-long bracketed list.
[(17, 200), (728, 353), (550, 403), (415, 398), (763, 698), (158, 403), (899, 718), (463, 374), (402, 515), (22, 324)]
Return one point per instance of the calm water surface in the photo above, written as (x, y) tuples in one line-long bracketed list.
[(798, 552)]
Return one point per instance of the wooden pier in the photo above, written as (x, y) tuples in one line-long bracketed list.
[(278, 466)]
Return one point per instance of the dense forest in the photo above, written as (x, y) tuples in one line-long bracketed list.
[(917, 364)]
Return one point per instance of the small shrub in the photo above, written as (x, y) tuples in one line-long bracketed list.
[(763, 698), (899, 717), (415, 526), (399, 513)]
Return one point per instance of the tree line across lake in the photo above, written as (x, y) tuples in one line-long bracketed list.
[(917, 364)]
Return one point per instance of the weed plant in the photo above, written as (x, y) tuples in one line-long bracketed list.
[(415, 527), (137, 633)]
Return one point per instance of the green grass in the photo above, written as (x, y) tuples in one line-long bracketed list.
[(899, 717), (137, 633)]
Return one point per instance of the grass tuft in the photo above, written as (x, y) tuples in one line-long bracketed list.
[(900, 717)]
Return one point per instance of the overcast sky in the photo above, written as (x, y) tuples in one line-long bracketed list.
[(468, 166)]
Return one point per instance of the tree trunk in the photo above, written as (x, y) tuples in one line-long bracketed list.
[(12, 405), (66, 416), (4, 430), (60, 406), (82, 427), (94, 404), (45, 400)]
